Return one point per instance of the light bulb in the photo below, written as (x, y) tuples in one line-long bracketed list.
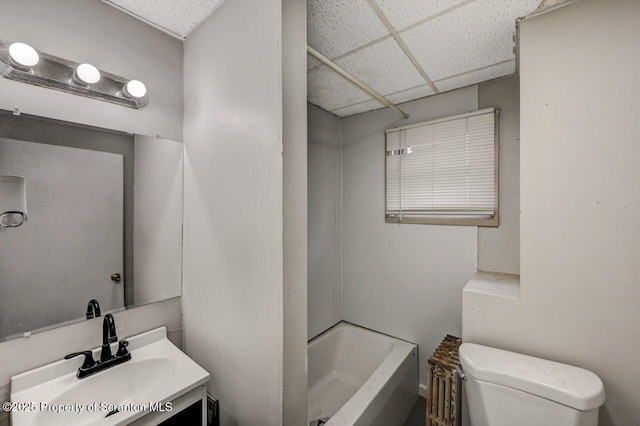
[(135, 89), (24, 55), (87, 73)]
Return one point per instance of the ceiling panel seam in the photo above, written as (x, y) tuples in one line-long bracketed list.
[(356, 104), (346, 75), (386, 95), (435, 16), (401, 43), (474, 70), (356, 50)]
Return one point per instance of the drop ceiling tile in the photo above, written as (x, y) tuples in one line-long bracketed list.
[(312, 62), (336, 27), (410, 94), (369, 105), (470, 37), (330, 91), (547, 4), (175, 17), (489, 73), (406, 12), (383, 66)]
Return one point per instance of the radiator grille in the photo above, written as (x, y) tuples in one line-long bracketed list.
[(444, 385)]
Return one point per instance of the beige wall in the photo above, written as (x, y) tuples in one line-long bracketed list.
[(94, 32), (233, 235), (499, 248), (580, 238)]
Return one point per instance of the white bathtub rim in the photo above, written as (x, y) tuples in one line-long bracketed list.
[(347, 324), (357, 405), (362, 399)]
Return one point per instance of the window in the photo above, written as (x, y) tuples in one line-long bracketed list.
[(444, 171)]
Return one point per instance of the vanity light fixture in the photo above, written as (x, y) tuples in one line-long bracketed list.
[(87, 73), (23, 56), (18, 62), (135, 89)]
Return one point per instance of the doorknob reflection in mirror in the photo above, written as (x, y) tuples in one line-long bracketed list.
[(13, 201)]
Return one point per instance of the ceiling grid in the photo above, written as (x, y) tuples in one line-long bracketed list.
[(401, 49), (401, 43), (448, 44)]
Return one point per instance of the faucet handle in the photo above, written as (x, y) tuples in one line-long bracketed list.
[(88, 359), (122, 348)]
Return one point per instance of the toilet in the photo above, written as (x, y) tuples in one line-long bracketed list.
[(506, 389)]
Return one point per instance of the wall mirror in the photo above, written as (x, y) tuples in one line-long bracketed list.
[(102, 220)]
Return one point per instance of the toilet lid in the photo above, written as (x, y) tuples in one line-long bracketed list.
[(565, 384)]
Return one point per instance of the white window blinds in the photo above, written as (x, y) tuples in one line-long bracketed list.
[(443, 168)]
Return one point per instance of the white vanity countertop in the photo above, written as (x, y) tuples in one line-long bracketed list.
[(157, 373)]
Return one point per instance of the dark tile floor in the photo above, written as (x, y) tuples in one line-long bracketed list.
[(418, 415)]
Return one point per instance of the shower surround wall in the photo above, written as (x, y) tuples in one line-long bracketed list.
[(325, 220), (403, 280), (400, 279)]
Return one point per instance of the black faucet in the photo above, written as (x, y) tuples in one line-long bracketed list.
[(107, 360), (108, 337), (93, 309)]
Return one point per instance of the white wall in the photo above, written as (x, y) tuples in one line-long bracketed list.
[(157, 213), (499, 248), (26, 353), (580, 239), (404, 280), (325, 216), (94, 32), (294, 140), (233, 237)]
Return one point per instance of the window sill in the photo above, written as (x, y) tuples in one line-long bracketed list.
[(489, 222)]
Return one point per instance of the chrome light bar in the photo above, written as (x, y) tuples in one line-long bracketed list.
[(60, 74)]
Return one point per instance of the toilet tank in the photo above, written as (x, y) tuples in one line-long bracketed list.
[(506, 389)]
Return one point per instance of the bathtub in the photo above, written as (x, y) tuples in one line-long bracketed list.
[(358, 377)]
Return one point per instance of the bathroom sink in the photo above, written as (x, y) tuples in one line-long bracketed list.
[(121, 386), (158, 372)]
